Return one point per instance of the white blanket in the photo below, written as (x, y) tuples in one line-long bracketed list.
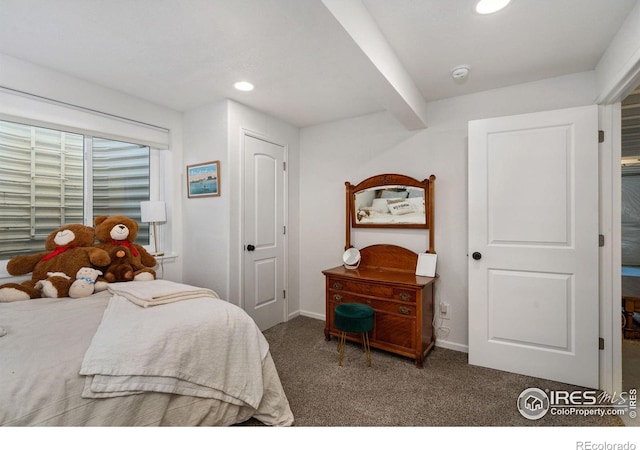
[(158, 292), (203, 347)]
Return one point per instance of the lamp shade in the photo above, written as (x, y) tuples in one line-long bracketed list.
[(153, 211)]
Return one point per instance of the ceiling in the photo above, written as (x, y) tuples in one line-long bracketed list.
[(308, 65)]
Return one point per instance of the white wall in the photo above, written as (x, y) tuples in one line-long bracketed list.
[(213, 247), (206, 219), (354, 149), (618, 71)]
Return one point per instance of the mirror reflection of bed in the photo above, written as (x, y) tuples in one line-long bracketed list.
[(390, 204)]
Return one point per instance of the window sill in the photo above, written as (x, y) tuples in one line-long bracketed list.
[(165, 257)]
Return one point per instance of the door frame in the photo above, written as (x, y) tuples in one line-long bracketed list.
[(244, 132), (610, 211)]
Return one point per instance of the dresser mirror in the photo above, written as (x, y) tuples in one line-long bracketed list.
[(390, 205), (390, 201)]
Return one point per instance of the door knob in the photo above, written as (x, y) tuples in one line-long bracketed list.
[(476, 255), (250, 248)]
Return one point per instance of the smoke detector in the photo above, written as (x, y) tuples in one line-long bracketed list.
[(460, 72)]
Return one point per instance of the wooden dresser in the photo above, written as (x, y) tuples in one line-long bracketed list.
[(402, 301)]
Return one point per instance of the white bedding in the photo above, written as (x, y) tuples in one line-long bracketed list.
[(47, 339), (392, 211), (189, 348), (158, 292), (376, 217)]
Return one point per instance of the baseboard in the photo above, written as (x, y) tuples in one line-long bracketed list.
[(452, 346), (312, 315)]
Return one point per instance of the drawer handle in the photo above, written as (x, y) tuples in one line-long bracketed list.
[(404, 296), (404, 310), (337, 285), (337, 297)]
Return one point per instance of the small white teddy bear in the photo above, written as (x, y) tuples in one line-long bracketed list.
[(84, 285)]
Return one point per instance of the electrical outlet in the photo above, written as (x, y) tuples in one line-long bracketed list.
[(444, 311)]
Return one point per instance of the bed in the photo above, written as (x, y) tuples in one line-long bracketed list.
[(153, 353)]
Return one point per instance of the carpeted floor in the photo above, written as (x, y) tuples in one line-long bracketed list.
[(394, 392)]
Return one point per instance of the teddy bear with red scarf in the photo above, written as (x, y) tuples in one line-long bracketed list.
[(116, 235), (67, 250)]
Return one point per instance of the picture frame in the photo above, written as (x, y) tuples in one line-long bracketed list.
[(203, 179)]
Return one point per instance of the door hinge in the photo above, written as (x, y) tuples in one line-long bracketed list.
[(284, 165), (600, 343), (284, 229), (601, 240), (284, 294), (600, 136)]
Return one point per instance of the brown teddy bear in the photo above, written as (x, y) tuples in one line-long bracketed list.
[(115, 232), (120, 268), (68, 249)]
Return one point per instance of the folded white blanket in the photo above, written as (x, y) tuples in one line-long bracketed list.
[(158, 292), (203, 347)]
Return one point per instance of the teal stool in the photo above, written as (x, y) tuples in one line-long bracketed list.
[(354, 318)]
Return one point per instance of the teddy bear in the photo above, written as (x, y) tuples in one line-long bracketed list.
[(84, 285), (117, 232), (68, 249), (120, 268)]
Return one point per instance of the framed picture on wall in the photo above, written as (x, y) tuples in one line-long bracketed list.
[(203, 180)]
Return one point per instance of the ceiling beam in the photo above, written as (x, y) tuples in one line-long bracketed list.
[(403, 98)]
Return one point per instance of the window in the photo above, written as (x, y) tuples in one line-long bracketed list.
[(44, 183)]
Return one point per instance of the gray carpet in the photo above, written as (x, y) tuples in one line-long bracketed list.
[(393, 391)]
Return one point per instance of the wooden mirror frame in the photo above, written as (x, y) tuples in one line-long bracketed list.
[(390, 179)]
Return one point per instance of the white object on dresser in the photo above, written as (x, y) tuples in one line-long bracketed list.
[(426, 266)]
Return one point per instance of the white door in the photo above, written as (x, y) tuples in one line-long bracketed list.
[(264, 228), (533, 244)]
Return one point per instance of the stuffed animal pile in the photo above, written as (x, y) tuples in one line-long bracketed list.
[(75, 265), (68, 249)]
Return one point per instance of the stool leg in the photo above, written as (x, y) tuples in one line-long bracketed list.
[(343, 338), (366, 347)]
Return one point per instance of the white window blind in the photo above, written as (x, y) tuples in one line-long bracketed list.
[(120, 181), (42, 183)]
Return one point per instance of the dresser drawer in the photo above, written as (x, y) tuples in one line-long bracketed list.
[(405, 295), (361, 288), (408, 309), (391, 307), (396, 330)]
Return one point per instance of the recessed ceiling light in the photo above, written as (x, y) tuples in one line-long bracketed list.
[(243, 86), (490, 6)]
